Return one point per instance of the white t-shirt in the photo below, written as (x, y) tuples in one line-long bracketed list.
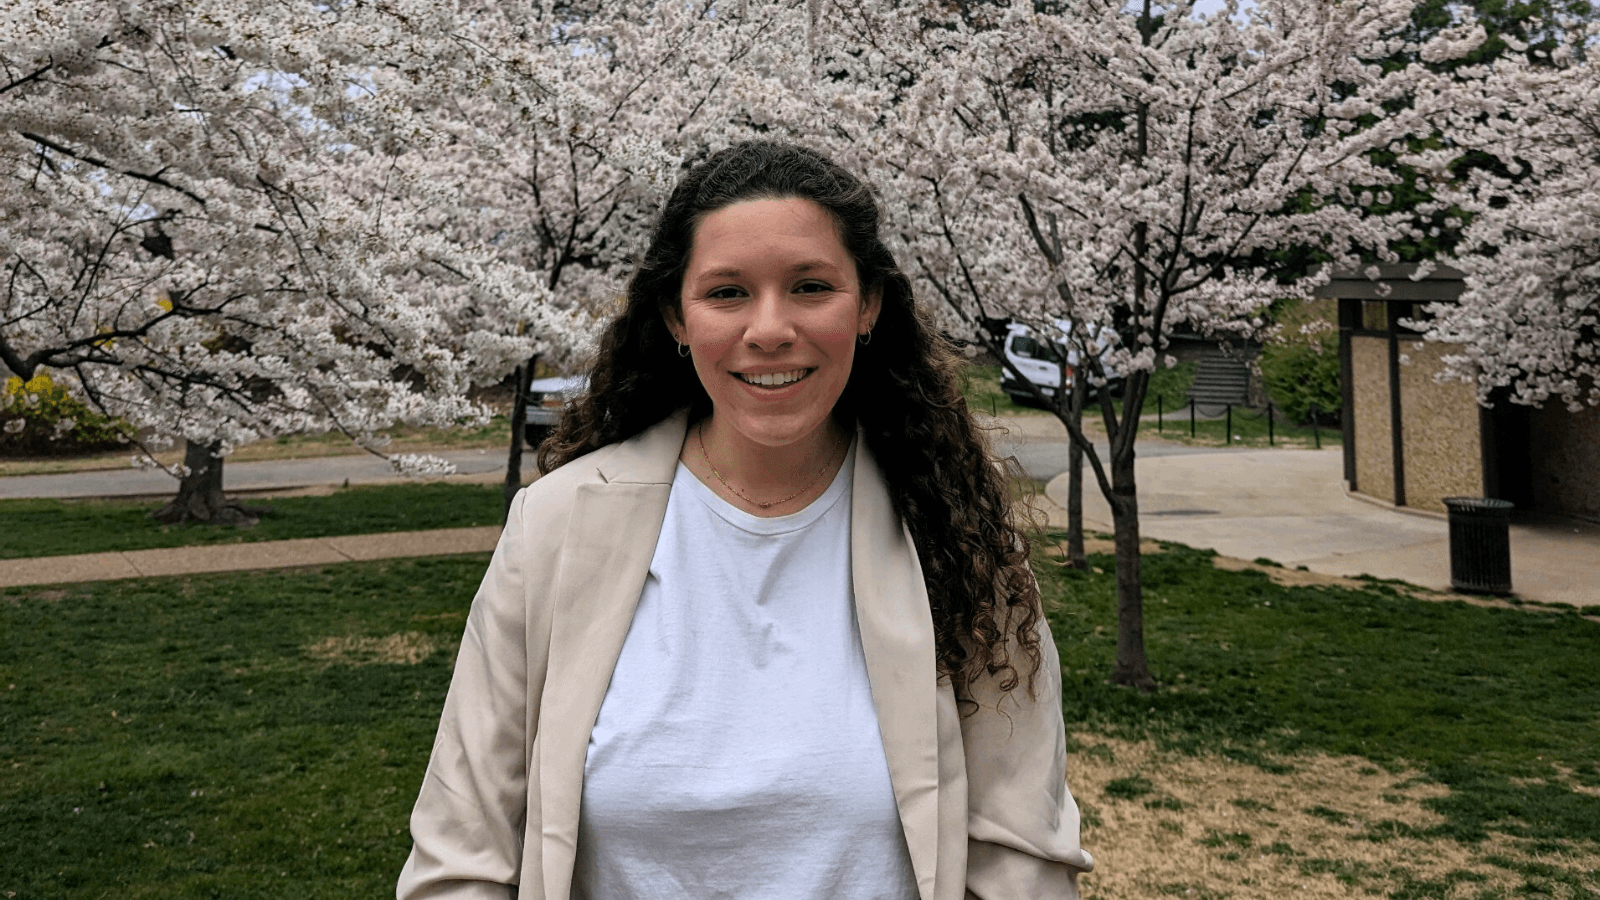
[(737, 752)]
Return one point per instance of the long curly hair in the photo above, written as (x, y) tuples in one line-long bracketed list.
[(903, 389)]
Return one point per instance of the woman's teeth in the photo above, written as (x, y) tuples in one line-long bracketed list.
[(774, 379)]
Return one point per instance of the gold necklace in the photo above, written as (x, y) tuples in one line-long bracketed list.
[(700, 435)]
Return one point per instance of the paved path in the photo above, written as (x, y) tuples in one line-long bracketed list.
[(1290, 506), (1038, 442), (278, 474), (244, 557), (1285, 505)]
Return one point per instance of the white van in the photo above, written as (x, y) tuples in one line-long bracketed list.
[(547, 400), (1041, 360)]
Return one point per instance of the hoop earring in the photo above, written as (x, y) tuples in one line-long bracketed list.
[(865, 339), (683, 351)]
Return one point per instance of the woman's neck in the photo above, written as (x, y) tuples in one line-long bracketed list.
[(762, 479)]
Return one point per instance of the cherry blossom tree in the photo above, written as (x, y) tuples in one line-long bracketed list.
[(1139, 160), (188, 241), (568, 188), (1528, 322)]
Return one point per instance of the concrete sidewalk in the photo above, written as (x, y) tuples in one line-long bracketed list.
[(1290, 506), (1038, 442), (252, 477), (1284, 505), (245, 557)]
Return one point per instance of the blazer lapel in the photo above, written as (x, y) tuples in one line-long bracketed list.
[(605, 560), (896, 625)]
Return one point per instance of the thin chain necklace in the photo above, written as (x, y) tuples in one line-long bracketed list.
[(700, 435)]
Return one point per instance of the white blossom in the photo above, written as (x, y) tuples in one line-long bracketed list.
[(231, 219), (1019, 181), (1527, 327), (412, 465)]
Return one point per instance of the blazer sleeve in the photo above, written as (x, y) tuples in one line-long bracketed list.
[(1022, 823), (467, 825)]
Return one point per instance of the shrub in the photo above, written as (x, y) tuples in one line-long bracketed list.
[(39, 418), (1300, 363)]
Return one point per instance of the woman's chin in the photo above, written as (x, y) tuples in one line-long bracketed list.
[(774, 431)]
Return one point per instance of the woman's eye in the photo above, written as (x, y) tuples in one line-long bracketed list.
[(813, 287), (726, 293)]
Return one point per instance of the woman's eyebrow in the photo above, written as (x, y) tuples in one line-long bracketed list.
[(809, 265)]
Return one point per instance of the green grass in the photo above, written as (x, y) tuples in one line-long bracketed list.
[(403, 438), (181, 738), (1168, 398), (1487, 701), (175, 738), (1249, 429), (56, 527), (1172, 384), (981, 387)]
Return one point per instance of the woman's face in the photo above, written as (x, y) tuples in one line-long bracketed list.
[(771, 307)]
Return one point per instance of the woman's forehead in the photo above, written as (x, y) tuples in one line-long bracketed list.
[(796, 234)]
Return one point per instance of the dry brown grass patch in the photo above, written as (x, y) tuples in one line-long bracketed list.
[(1203, 826), (1301, 578), (405, 648)]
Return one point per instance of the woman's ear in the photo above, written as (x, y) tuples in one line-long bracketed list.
[(870, 308), (674, 323)]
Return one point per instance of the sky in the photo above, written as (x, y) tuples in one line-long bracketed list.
[(1205, 7)]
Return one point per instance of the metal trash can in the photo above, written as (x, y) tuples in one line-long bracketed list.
[(1480, 545)]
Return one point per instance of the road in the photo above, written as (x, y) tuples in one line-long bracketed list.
[(1039, 444)]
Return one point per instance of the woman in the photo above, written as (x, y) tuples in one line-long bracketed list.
[(752, 632)]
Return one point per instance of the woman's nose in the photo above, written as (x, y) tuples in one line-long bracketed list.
[(771, 326)]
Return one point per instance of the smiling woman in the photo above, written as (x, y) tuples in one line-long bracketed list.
[(770, 310), (750, 634)]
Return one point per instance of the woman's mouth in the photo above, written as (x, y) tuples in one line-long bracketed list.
[(773, 379)]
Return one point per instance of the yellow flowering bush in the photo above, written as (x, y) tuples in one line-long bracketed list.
[(39, 418)]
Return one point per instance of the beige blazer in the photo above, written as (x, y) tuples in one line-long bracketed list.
[(983, 800)]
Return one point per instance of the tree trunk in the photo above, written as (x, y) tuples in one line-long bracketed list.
[(519, 422), (1132, 668), (1120, 491), (1076, 558), (200, 497)]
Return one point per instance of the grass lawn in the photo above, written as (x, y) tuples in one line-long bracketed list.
[(981, 386), (56, 527), (264, 735), (403, 439), (241, 736), (1249, 429), (1475, 730)]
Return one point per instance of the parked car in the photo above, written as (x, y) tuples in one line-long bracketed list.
[(1041, 360), (547, 400)]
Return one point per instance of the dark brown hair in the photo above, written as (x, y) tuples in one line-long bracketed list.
[(903, 389)]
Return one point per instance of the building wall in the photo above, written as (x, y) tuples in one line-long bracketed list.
[(1443, 441), (1565, 451), (1369, 382)]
